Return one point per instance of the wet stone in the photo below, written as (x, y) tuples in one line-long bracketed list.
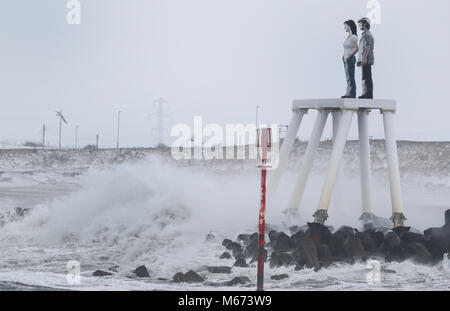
[(188, 277), (210, 237), (225, 255), (101, 273), (142, 272), (240, 262), (279, 277), (219, 269), (226, 243), (240, 280)]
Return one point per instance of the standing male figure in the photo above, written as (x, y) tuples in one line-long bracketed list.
[(366, 57)]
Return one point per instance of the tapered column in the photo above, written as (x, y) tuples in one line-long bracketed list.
[(364, 157), (338, 191), (286, 147), (321, 215), (394, 171), (308, 159)]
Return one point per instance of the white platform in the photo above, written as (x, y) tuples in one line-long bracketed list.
[(345, 104), (342, 111)]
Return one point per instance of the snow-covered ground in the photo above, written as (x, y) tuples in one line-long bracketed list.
[(139, 206)]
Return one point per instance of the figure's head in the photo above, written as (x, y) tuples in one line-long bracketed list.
[(350, 26), (364, 24)]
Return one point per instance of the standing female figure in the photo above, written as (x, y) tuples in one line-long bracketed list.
[(350, 50)]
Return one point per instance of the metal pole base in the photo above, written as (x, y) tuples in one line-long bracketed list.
[(320, 216), (398, 219), (367, 220), (291, 213)]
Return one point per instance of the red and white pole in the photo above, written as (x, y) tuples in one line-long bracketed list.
[(264, 142)]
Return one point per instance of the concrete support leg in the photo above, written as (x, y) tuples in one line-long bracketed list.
[(286, 147), (394, 171), (337, 199), (321, 215), (308, 160), (364, 155)]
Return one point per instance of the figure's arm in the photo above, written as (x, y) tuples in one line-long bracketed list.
[(366, 54), (355, 51)]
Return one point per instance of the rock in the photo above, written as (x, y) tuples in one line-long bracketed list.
[(255, 257), (391, 246), (401, 230), (240, 262), (21, 211), (225, 255), (280, 241), (367, 242), (210, 237), (178, 277), (385, 270), (347, 231), (273, 235), (440, 237), (279, 277), (101, 273), (354, 247), (270, 227), (299, 267), (246, 239), (337, 245), (296, 229), (193, 277), (376, 235), (142, 272), (188, 277), (431, 232), (306, 252), (226, 243), (391, 240), (240, 280), (319, 233), (414, 230), (436, 249), (236, 249), (324, 255), (251, 250), (114, 268), (219, 269), (275, 260), (418, 252), (297, 238), (408, 237), (280, 259)]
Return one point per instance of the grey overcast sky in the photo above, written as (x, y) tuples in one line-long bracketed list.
[(214, 58)]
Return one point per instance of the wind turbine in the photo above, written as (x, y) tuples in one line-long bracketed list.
[(61, 118)]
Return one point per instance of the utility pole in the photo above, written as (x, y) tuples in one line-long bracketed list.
[(76, 136), (96, 144), (159, 115), (43, 136), (118, 128), (61, 119)]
